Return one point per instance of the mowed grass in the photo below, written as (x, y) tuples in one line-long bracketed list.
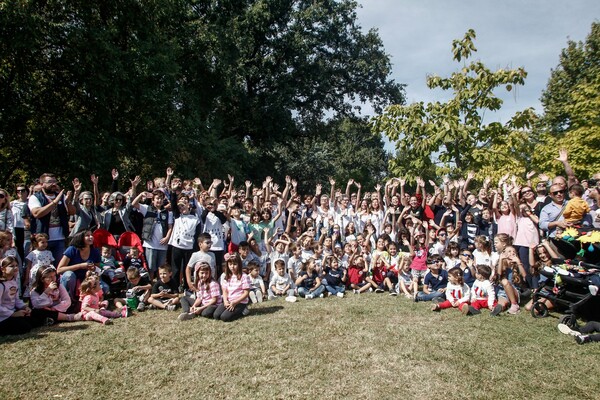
[(363, 346)]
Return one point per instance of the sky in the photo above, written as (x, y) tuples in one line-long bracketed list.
[(418, 35)]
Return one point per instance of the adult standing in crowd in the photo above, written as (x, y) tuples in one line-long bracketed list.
[(50, 209)]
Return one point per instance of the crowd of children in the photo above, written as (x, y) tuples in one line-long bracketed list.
[(213, 251)]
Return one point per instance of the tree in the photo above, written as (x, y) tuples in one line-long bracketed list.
[(346, 149), (453, 135), (209, 87), (572, 109)]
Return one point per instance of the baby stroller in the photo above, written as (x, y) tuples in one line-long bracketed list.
[(570, 285), (117, 282)]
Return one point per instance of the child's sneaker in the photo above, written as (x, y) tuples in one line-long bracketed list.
[(514, 309), (49, 321), (581, 339), (141, 307), (107, 321), (496, 311), (436, 307), (272, 297), (393, 292), (355, 291), (245, 311), (291, 299), (321, 295), (253, 298), (171, 307), (370, 290), (151, 307), (379, 290), (309, 296), (340, 294), (564, 328)]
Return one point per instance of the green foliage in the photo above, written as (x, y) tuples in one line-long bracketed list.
[(208, 87), (452, 135), (346, 149), (572, 109)]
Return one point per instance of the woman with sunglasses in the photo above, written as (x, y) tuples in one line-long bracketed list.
[(85, 212), (116, 218)]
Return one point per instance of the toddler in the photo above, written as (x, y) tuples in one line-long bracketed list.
[(576, 208), (281, 283), (91, 307), (37, 258)]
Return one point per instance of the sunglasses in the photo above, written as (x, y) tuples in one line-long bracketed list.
[(119, 199), (467, 255), (557, 192), (21, 190), (441, 234), (526, 191)]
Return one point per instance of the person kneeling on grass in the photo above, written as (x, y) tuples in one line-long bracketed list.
[(457, 292), (482, 293), (208, 295), (281, 283), (165, 292), (335, 277), (138, 290), (236, 289), (435, 282)]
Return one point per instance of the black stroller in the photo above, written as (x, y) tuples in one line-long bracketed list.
[(572, 286)]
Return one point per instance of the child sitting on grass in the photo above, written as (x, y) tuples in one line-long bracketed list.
[(165, 292), (435, 282), (92, 308), (335, 277), (405, 280), (308, 282), (357, 274), (138, 290), (482, 293), (257, 291), (208, 296), (281, 283), (457, 292)]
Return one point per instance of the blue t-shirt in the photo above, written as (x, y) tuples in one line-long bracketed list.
[(436, 282), (75, 258)]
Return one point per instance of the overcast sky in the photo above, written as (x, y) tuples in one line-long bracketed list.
[(418, 35)]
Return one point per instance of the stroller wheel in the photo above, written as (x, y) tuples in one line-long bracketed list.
[(539, 310)]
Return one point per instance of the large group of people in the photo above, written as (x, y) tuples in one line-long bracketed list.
[(213, 251)]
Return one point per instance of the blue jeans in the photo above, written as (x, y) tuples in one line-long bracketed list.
[(155, 258), (333, 290), (69, 280), (302, 292), (57, 247), (422, 296)]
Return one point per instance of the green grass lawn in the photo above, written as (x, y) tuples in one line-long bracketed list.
[(363, 346)]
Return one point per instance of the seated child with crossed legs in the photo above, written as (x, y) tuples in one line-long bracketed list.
[(165, 292), (138, 290)]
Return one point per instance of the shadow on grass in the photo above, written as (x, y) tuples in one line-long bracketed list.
[(41, 332), (265, 310)]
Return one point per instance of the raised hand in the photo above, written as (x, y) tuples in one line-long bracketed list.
[(530, 174), (197, 182), (562, 155), (331, 181), (94, 179), (231, 178), (76, 185), (169, 171), (470, 175), (115, 174), (136, 181), (216, 182)]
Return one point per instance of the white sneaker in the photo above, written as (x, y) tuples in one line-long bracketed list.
[(291, 299), (340, 294), (271, 297), (309, 296), (563, 328), (171, 307), (185, 316)]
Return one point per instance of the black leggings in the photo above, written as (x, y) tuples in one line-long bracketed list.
[(39, 316), (226, 315), (590, 327), (15, 326)]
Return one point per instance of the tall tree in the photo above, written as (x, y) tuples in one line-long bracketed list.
[(572, 109), (206, 86), (453, 134)]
